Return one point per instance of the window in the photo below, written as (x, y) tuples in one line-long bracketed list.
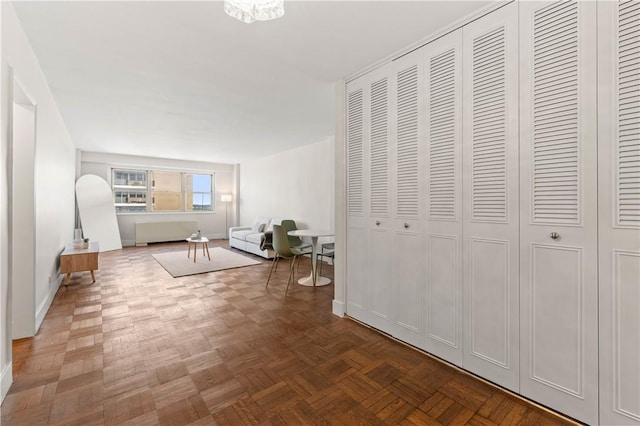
[(161, 191), (130, 190), (166, 191), (198, 190)]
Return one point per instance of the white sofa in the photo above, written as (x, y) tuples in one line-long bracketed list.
[(248, 238)]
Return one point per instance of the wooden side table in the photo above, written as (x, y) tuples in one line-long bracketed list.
[(79, 259), (195, 241)]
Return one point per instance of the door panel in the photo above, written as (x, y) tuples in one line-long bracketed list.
[(619, 211), (489, 293), (490, 198), (356, 190), (381, 286), (406, 141), (443, 146), (407, 252), (409, 297), (444, 298), (356, 273), (379, 150), (356, 116), (556, 303), (559, 287)]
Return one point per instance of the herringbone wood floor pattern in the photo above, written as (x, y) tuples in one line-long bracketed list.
[(139, 347)]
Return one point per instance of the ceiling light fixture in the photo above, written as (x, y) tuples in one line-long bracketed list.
[(249, 11)]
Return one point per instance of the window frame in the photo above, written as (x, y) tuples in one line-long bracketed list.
[(149, 191)]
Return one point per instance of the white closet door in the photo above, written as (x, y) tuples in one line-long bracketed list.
[(490, 198), (559, 287), (407, 251), (442, 141), (619, 211), (380, 284), (356, 140)]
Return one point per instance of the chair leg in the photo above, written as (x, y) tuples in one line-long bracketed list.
[(276, 260), (291, 273), (273, 264)]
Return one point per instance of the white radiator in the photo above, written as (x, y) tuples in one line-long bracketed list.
[(156, 232)]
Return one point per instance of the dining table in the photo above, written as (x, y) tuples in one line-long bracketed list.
[(312, 280)]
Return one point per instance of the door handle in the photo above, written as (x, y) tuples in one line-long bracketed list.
[(554, 236)]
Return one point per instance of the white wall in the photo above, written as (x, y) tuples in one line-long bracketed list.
[(54, 178), (297, 184), (212, 224), (22, 216)]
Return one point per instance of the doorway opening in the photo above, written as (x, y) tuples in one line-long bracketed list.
[(21, 213)]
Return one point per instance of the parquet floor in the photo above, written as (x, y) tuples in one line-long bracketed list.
[(139, 347)]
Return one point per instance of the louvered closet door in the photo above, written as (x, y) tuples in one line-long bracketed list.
[(442, 141), (490, 199), (559, 287), (619, 211), (380, 286), (407, 251), (356, 256)]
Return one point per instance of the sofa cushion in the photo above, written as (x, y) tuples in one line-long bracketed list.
[(254, 238), (241, 235)]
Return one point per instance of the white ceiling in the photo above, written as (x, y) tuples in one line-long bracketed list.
[(183, 80)]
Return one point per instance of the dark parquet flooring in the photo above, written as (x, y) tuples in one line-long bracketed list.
[(139, 347)]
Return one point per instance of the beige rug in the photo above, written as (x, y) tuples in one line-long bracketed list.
[(179, 265)]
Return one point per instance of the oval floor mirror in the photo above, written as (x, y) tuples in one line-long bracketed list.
[(97, 212)]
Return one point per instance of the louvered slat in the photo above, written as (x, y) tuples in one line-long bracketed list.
[(379, 147), (489, 149), (442, 136), (556, 161), (407, 156), (628, 143), (355, 183)]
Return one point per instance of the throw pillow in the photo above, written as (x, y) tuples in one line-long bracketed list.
[(257, 227)]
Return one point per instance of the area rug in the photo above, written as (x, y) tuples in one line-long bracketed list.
[(179, 265)]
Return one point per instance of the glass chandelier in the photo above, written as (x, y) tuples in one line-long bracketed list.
[(249, 11)]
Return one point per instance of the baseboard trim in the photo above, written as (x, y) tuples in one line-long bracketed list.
[(338, 308), (46, 304), (6, 380)]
